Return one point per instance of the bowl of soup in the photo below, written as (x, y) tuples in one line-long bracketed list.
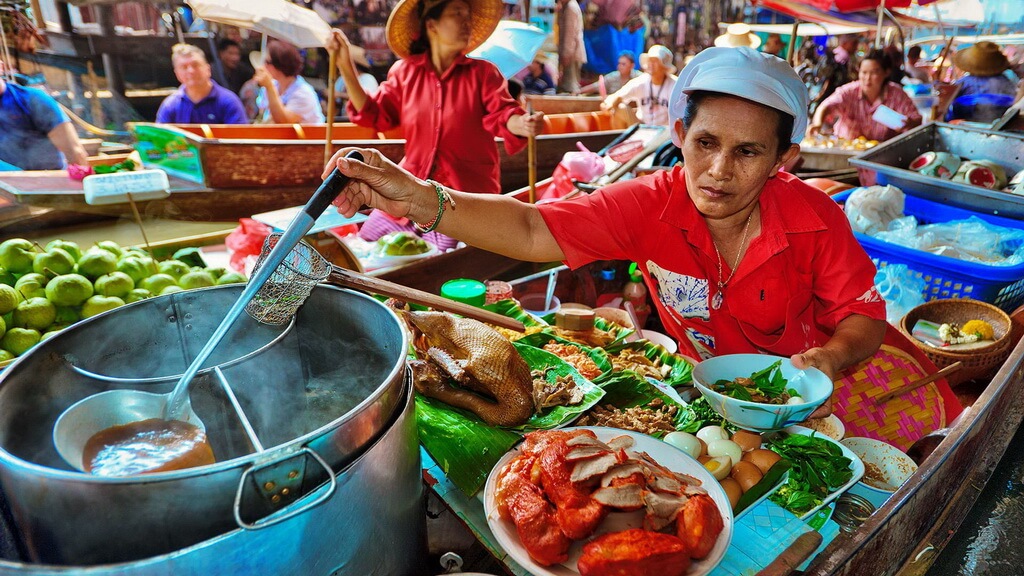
[(761, 392)]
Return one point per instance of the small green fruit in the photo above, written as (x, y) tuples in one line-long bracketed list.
[(6, 277), (68, 290), (17, 255), (100, 304), (174, 268), (9, 298), (190, 256), (135, 251), (3, 327), (96, 263), (171, 290), (32, 285), (231, 278), (137, 294), (157, 282), (217, 272), (37, 313), (6, 356), (136, 268), (110, 246), (67, 315), (53, 263), (17, 341), (198, 279), (114, 284), (67, 246)]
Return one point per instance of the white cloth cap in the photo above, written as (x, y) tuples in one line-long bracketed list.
[(748, 74)]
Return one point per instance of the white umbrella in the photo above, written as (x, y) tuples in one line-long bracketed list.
[(511, 47), (278, 18)]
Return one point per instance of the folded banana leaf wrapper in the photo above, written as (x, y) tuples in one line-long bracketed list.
[(677, 371), (598, 355), (467, 449)]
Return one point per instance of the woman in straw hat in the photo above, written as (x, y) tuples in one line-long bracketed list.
[(742, 257), (650, 90), (449, 107), (737, 35), (985, 65)]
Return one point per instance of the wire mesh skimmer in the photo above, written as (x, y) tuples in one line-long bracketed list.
[(303, 268)]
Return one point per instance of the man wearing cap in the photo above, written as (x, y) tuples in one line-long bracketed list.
[(650, 91), (743, 258), (199, 100)]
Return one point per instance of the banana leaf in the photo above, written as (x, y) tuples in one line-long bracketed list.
[(464, 447), (680, 371), (512, 309), (626, 389), (598, 355), (615, 329), (556, 367)]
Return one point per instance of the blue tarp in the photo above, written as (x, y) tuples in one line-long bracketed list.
[(604, 44)]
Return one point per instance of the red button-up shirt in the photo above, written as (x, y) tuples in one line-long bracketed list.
[(449, 121), (855, 111), (803, 274)]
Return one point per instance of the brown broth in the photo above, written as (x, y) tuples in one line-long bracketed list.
[(145, 447)]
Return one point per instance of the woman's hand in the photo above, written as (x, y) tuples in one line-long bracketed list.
[(526, 125), (263, 78), (814, 128), (338, 45), (822, 360), (610, 103), (379, 183)]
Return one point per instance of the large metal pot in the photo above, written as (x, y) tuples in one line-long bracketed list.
[(292, 413)]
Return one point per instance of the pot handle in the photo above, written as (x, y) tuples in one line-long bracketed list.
[(284, 513)]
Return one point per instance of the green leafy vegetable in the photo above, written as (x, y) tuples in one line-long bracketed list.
[(819, 468), (768, 382), (699, 414)]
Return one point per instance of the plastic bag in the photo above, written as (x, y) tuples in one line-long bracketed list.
[(583, 165), (871, 209), (971, 239), (902, 289), (246, 240)]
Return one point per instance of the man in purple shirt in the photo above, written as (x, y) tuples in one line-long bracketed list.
[(199, 100)]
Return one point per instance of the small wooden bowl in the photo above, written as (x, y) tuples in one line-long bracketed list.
[(978, 363)]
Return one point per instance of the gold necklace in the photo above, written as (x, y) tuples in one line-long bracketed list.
[(718, 298)]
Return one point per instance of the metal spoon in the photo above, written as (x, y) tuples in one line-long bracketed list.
[(79, 422)]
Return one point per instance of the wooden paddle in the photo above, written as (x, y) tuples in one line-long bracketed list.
[(531, 158), (332, 74), (923, 381)]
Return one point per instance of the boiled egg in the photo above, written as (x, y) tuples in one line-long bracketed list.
[(725, 448), (746, 474), (763, 459), (747, 440), (711, 433), (732, 491), (719, 466), (684, 441)]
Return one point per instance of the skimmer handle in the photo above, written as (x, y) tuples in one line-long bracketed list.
[(329, 190)]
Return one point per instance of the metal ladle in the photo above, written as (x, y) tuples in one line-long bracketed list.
[(92, 414)]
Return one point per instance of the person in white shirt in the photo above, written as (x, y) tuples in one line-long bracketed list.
[(285, 97), (651, 90)]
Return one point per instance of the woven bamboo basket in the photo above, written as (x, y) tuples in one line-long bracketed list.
[(979, 363)]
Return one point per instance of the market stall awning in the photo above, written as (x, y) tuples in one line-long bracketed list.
[(806, 28), (803, 11)]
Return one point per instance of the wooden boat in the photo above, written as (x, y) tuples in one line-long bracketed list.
[(271, 155)]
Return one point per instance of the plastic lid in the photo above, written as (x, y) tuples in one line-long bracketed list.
[(607, 273), (634, 273), (579, 319), (465, 290)]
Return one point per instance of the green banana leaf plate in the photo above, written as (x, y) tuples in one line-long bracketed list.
[(626, 389), (598, 355), (676, 370)]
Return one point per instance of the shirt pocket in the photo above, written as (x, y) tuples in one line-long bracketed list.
[(776, 313)]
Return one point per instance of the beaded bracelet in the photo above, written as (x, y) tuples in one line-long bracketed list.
[(443, 197)]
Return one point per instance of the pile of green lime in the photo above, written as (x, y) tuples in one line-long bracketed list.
[(46, 289), (401, 244)]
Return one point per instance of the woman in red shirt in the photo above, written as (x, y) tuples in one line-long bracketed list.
[(740, 256), (450, 107)]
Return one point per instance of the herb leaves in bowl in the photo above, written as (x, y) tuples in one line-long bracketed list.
[(767, 386)]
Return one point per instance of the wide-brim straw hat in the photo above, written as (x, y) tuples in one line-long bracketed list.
[(404, 22), (982, 59), (737, 35), (660, 53)]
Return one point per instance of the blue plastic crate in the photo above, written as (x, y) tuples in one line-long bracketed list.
[(947, 277)]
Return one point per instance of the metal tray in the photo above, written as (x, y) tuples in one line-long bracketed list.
[(891, 158)]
